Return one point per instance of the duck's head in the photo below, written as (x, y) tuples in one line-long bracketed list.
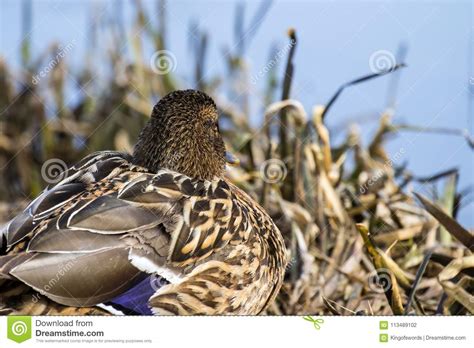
[(183, 135)]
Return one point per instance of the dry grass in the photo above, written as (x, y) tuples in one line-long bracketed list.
[(359, 241)]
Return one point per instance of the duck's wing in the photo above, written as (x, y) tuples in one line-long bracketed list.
[(201, 216), (212, 226), (75, 181), (86, 247), (74, 266)]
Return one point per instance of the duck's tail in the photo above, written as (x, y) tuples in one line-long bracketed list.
[(17, 298)]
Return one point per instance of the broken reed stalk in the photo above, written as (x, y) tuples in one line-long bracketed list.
[(392, 292), (285, 141)]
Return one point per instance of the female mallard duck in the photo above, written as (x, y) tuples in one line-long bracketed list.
[(167, 210)]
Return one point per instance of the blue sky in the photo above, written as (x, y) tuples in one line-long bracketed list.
[(335, 42)]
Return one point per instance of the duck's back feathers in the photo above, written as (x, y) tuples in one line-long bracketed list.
[(108, 222), (75, 181)]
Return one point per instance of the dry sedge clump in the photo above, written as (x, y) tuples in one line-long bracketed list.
[(359, 241)]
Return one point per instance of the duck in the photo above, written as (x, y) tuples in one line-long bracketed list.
[(167, 211)]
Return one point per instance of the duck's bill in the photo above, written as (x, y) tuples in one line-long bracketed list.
[(231, 159)]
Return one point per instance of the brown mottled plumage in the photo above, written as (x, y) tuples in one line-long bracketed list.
[(184, 143), (166, 210)]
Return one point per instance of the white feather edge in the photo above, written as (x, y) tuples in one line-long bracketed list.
[(110, 309), (147, 265)]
